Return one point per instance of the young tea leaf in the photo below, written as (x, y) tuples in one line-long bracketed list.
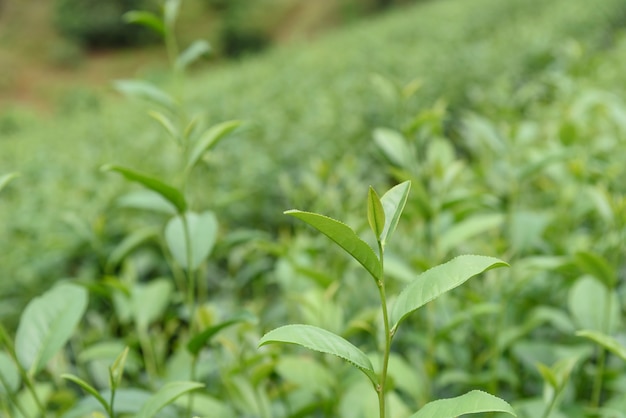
[(149, 301), (168, 192), (202, 339), (438, 280), (47, 324), (209, 139), (605, 341), (343, 236), (202, 230), (192, 53), (375, 213), (393, 204), (164, 396), (170, 12), (319, 339), (147, 19), (88, 388), (146, 91), (474, 402), (116, 371), (4, 180), (130, 243), (166, 123), (394, 146)]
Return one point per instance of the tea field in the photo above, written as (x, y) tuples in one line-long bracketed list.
[(148, 268)]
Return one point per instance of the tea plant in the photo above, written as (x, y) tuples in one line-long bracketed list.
[(383, 215)]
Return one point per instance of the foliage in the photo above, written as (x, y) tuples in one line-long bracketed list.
[(519, 156), (99, 24)]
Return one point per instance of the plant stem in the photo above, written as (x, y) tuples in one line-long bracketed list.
[(383, 300)]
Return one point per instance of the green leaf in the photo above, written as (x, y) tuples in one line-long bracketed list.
[(209, 139), (164, 396), (192, 53), (129, 244), (597, 267), (474, 402), (319, 339), (47, 324), (146, 91), (393, 204), (116, 371), (166, 123), (147, 19), (88, 388), (548, 375), (145, 199), (202, 229), (149, 301), (170, 12), (4, 180), (375, 213), (171, 194), (593, 306), (438, 280), (9, 375), (394, 146), (343, 236), (468, 228), (202, 339), (605, 341)]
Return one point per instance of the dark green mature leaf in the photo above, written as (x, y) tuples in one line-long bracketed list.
[(192, 53), (393, 204), (343, 236), (88, 388), (47, 324), (319, 339), (164, 396), (209, 139), (605, 341), (146, 91), (597, 267), (147, 19), (375, 213), (4, 180), (202, 229), (168, 192), (474, 402), (202, 339), (438, 280)]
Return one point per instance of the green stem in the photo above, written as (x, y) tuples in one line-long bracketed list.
[(383, 374)]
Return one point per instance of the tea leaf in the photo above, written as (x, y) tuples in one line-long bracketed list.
[(202, 339), (4, 180), (343, 236), (605, 341), (393, 204), (438, 280), (170, 12), (166, 123), (209, 139), (474, 402), (202, 229), (47, 324), (129, 244), (375, 213), (394, 146), (147, 19), (88, 388), (146, 91), (319, 339), (593, 306), (192, 53), (164, 396), (168, 192), (9, 375), (149, 301), (116, 371), (597, 267)]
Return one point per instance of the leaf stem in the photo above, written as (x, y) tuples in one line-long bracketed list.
[(387, 350)]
